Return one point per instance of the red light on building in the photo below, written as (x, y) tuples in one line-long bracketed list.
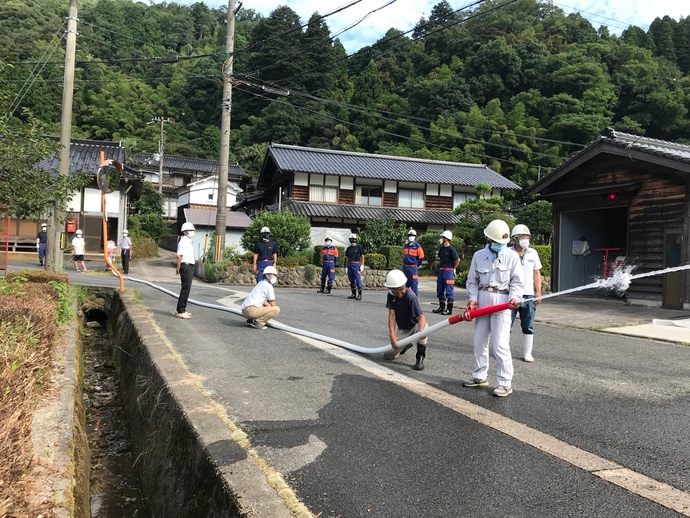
[(612, 196)]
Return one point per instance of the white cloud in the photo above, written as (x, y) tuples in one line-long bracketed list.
[(404, 14)]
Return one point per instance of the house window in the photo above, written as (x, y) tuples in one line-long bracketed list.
[(322, 193), (368, 195), (411, 198), (461, 197)]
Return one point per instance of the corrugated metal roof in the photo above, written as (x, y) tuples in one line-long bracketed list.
[(384, 167), (84, 155), (670, 150), (180, 163), (359, 212), (207, 218)]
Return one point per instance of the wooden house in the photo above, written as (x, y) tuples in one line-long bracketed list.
[(339, 191), (625, 198)]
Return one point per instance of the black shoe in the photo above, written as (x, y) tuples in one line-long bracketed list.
[(354, 295), (419, 366), (441, 307), (448, 310), (320, 290), (328, 290), (359, 294), (405, 348)]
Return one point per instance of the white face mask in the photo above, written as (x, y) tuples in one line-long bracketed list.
[(410, 239), (190, 233), (273, 280), (524, 243), (440, 241), (328, 243), (391, 293)]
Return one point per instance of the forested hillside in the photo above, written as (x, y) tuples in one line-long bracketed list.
[(515, 84)]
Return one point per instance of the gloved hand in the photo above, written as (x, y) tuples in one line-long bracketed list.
[(38, 246), (361, 267)]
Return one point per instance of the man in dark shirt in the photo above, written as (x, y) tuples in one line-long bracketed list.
[(354, 263), (41, 240), (405, 312), (445, 282), (265, 254)]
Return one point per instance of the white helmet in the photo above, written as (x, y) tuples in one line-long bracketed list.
[(328, 238), (447, 234), (265, 230), (353, 236), (395, 279), (520, 230), (187, 226), (412, 232), (43, 225), (79, 232), (270, 270), (498, 231), (125, 232)]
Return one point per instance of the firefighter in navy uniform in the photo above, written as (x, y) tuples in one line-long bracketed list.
[(354, 263), (413, 255), (41, 240), (445, 282), (329, 258), (265, 253)]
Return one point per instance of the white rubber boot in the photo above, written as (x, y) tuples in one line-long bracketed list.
[(528, 340)]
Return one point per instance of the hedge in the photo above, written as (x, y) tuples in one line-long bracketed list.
[(544, 252), (393, 255)]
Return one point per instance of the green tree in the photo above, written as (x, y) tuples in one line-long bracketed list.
[(381, 232), (475, 215), (292, 233), (538, 218)]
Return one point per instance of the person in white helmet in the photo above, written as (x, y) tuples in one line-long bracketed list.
[(354, 264), (41, 240), (265, 253), (495, 277), (404, 312), (185, 268), (329, 262), (531, 265), (260, 306), (79, 250), (445, 282), (126, 251), (413, 255)]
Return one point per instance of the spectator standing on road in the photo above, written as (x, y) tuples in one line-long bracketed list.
[(329, 260), (185, 268), (354, 263), (445, 282), (413, 255), (265, 253), (126, 252), (531, 276), (41, 240), (495, 277), (405, 312), (79, 250), (260, 306)]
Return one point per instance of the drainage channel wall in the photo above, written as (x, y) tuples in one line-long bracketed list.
[(185, 452)]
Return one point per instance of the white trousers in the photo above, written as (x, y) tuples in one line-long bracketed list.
[(494, 327)]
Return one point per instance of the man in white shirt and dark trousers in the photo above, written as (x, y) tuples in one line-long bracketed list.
[(125, 246), (531, 264), (185, 268), (495, 277), (260, 306)]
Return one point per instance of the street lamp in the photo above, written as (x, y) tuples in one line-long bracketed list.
[(160, 151)]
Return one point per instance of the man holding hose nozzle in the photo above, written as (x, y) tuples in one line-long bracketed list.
[(495, 277)]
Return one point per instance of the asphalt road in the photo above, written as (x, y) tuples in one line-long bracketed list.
[(599, 425)]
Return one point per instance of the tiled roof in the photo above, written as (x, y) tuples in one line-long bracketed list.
[(180, 163), (670, 150), (84, 155), (359, 212), (207, 218), (384, 167)]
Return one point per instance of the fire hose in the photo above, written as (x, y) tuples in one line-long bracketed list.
[(465, 316)]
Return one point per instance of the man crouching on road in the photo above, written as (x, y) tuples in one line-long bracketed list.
[(260, 305), (405, 311)]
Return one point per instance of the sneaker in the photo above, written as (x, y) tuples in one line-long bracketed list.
[(503, 391), (183, 315), (249, 321), (529, 359), (476, 382), (258, 325)]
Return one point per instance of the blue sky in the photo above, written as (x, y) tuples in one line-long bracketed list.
[(404, 14)]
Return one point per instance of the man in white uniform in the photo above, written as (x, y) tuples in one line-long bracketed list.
[(495, 277), (260, 306), (531, 273), (185, 268)]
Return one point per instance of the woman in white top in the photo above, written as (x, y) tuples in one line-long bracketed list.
[(260, 305)]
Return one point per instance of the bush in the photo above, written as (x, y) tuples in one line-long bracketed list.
[(310, 272), (294, 261), (393, 255), (215, 271), (544, 252), (144, 247), (376, 261)]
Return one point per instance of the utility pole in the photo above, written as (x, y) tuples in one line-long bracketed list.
[(225, 135), (56, 224), (160, 152)]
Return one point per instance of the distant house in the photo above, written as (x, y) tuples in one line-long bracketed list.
[(339, 191), (180, 171), (627, 197)]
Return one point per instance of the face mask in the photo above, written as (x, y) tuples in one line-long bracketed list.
[(353, 241), (273, 280), (498, 247), (266, 237), (328, 243), (524, 243), (190, 233), (440, 241), (391, 293), (410, 239)]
